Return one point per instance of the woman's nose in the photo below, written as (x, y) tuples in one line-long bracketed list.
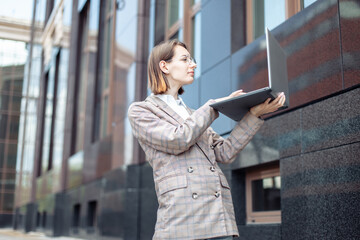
[(193, 65)]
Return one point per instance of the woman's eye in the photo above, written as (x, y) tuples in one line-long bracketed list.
[(185, 59)]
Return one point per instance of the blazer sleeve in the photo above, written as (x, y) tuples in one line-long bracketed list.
[(163, 136), (227, 149)]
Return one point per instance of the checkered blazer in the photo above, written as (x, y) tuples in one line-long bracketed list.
[(193, 194)]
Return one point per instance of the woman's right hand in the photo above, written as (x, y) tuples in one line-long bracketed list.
[(234, 94)]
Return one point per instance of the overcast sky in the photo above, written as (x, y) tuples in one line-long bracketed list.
[(21, 9)]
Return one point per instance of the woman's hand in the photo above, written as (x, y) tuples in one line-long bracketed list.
[(234, 94), (267, 106)]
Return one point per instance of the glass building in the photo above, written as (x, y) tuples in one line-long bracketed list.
[(81, 173)]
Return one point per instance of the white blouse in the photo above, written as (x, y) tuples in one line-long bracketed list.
[(177, 105)]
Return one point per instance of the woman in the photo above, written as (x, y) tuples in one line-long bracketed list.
[(193, 194)]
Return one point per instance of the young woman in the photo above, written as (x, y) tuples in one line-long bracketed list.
[(193, 194)]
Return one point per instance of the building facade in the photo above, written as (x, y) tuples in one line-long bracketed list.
[(15, 29), (81, 173)]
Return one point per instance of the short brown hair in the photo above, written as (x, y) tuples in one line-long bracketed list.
[(158, 82)]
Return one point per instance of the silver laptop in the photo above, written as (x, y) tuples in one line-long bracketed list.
[(235, 108)]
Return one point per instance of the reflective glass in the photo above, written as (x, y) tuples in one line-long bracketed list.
[(267, 13), (104, 117), (11, 156), (49, 101), (266, 194), (103, 79), (306, 3), (16, 103), (175, 35), (10, 181), (158, 18), (18, 85), (193, 2), (8, 203), (84, 35), (3, 125), (215, 40), (196, 42), (126, 35), (4, 102), (2, 153), (173, 12)]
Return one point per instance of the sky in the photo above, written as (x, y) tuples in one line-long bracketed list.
[(20, 9)]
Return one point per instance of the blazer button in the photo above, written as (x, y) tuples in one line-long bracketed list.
[(190, 169), (195, 196), (217, 194), (212, 168), (212, 146)]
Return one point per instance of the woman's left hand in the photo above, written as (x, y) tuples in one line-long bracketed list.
[(267, 106)]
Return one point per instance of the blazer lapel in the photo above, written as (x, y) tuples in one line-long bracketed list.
[(165, 108), (201, 143)]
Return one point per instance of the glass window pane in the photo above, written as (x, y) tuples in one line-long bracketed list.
[(173, 12), (267, 13), (11, 156), (4, 102), (196, 42), (160, 15), (175, 36), (10, 181), (104, 117), (18, 85), (83, 65), (193, 2), (2, 153), (14, 127), (266, 194), (8, 203), (3, 125), (306, 3), (16, 103)]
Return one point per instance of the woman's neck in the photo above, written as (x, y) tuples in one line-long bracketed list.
[(173, 91)]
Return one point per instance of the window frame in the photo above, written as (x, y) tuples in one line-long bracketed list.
[(260, 216), (107, 16), (184, 21), (291, 8)]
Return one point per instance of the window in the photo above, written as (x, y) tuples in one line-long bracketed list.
[(50, 95), (178, 19), (270, 14), (306, 3), (263, 187), (103, 113), (81, 82), (172, 19), (49, 9), (263, 13)]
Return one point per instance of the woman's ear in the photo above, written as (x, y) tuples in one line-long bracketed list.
[(163, 67)]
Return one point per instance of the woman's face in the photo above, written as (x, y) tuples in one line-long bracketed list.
[(180, 68)]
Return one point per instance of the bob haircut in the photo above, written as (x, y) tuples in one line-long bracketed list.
[(158, 82)]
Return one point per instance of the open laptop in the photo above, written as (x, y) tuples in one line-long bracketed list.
[(235, 108)]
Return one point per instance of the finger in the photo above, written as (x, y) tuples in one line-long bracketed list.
[(278, 100), (283, 100), (237, 93), (267, 101)]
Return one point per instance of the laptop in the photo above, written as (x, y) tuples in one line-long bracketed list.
[(235, 108)]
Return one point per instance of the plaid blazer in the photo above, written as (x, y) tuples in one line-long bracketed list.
[(193, 194)]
